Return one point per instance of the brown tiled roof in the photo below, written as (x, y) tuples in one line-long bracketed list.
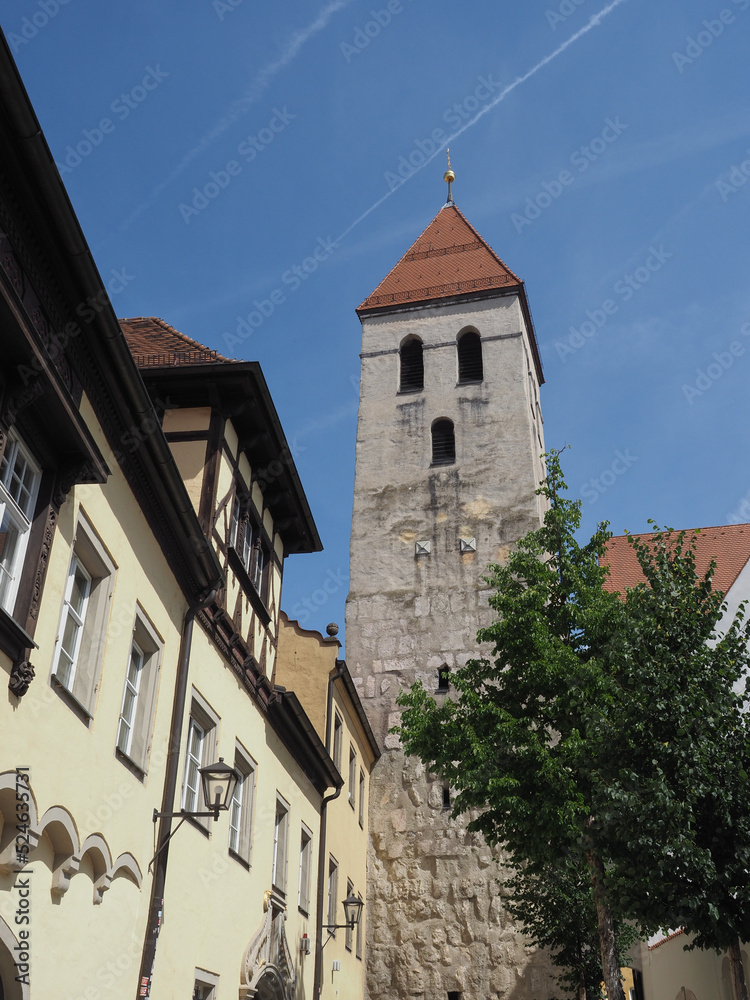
[(669, 937), (155, 344), (728, 545), (449, 258)]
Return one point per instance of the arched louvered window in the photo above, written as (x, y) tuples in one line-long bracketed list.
[(412, 366), (470, 368), (443, 443)]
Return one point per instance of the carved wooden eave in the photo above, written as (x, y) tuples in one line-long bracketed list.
[(267, 965)]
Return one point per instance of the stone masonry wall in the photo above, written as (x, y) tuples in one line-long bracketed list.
[(436, 919)]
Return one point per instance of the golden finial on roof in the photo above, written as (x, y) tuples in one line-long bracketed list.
[(450, 177)]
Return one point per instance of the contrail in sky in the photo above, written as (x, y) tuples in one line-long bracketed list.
[(593, 23), (243, 104)]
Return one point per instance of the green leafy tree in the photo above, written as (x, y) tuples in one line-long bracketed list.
[(554, 902), (685, 734), (597, 729)]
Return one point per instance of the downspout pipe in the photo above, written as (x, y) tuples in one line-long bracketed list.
[(167, 801), (318, 985)]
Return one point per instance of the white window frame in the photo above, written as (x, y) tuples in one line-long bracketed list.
[(134, 731), (191, 792), (204, 723), (362, 797), (126, 722), (305, 870), (241, 807), (338, 738), (79, 682), (352, 777), (280, 844), (16, 513), (333, 891), (66, 673)]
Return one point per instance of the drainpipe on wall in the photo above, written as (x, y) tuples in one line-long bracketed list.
[(318, 985), (167, 802)]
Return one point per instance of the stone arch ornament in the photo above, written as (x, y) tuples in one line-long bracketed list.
[(267, 966), (60, 829)]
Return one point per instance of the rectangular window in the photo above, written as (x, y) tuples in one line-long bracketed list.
[(280, 845), (361, 798), (352, 776), (192, 791), (79, 645), (349, 931), (333, 891), (246, 537), (200, 750), (205, 985), (305, 869), (139, 696), (19, 485), (360, 923), (76, 599), (241, 806), (338, 728)]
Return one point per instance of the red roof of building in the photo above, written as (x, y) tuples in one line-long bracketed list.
[(155, 344), (728, 545), (449, 258)]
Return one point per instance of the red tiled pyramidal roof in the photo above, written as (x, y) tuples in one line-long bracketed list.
[(728, 545), (155, 344), (449, 258)]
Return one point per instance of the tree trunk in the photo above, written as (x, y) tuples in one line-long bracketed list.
[(610, 966), (737, 971)]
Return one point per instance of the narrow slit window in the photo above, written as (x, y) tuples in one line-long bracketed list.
[(443, 443), (470, 367), (412, 366), (446, 797), (444, 679)]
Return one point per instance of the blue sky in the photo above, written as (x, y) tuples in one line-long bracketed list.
[(605, 166)]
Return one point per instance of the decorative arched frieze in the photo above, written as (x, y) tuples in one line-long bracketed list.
[(267, 966), (68, 853)]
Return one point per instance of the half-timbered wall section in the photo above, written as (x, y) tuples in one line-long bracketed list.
[(225, 436)]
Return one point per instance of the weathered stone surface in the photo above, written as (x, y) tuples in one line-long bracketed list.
[(436, 920)]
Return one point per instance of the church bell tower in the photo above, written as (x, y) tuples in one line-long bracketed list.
[(449, 444)]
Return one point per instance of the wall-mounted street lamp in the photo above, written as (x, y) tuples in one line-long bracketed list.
[(352, 914), (218, 782)]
